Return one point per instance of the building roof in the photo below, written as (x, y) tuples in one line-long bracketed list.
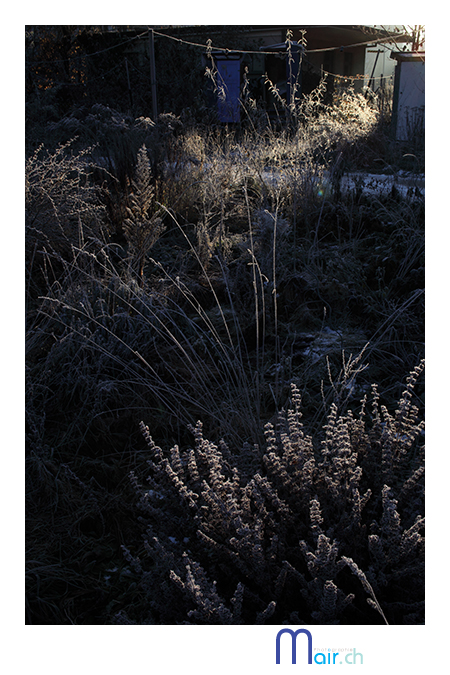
[(408, 56)]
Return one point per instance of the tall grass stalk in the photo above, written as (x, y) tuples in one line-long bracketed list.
[(213, 365)]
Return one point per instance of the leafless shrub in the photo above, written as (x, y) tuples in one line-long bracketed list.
[(62, 204)]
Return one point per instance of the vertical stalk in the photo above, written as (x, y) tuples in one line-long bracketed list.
[(151, 45), (274, 291)]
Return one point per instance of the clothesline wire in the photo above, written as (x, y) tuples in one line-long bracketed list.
[(209, 48), (321, 71), (392, 38)]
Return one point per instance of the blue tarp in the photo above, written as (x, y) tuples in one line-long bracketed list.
[(229, 83)]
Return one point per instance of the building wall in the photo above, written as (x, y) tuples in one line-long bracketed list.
[(409, 96)]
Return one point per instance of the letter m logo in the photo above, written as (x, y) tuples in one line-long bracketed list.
[(293, 635)]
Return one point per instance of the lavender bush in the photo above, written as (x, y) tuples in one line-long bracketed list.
[(292, 532)]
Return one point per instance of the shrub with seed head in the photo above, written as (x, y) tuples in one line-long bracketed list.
[(144, 226)]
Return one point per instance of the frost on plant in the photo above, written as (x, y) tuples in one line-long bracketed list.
[(275, 543), (143, 226)]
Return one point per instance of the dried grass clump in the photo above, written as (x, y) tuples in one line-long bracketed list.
[(63, 205), (292, 533), (63, 210)]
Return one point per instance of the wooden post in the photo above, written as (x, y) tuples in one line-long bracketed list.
[(151, 46)]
